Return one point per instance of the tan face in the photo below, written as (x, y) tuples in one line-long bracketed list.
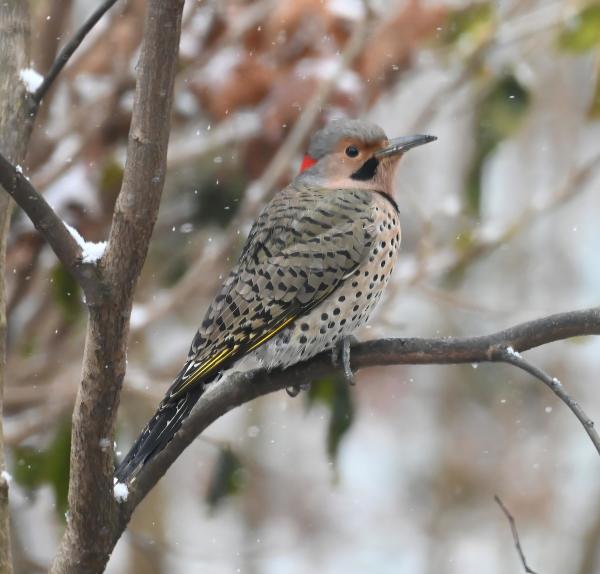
[(361, 157), (353, 165)]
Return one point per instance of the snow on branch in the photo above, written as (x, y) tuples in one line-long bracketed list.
[(31, 78), (90, 252), (74, 253)]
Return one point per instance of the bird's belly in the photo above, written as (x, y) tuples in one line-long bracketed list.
[(342, 313)]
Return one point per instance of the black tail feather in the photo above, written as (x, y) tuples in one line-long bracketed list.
[(157, 434)]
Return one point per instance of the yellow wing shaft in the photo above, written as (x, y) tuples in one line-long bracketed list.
[(213, 363)]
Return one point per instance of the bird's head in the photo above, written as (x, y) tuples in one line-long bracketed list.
[(355, 154)]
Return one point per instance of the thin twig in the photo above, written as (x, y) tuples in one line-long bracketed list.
[(69, 49), (515, 534), (509, 355)]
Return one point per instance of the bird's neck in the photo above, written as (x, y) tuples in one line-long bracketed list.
[(316, 181)]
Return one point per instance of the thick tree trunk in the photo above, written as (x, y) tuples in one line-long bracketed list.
[(15, 129), (95, 518)]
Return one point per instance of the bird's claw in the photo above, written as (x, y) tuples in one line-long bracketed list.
[(341, 357)]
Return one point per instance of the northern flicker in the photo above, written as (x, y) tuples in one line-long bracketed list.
[(313, 268)]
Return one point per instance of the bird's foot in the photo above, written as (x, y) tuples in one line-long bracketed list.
[(340, 356), (294, 390)]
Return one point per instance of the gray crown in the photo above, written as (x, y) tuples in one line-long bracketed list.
[(325, 140)]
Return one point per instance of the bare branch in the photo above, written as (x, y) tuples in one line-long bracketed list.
[(240, 388), (515, 534), (52, 228), (509, 355), (69, 49)]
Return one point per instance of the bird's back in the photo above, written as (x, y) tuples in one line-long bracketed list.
[(301, 248)]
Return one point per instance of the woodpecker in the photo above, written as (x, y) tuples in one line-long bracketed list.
[(312, 269)]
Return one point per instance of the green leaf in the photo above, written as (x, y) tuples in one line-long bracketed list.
[(502, 109), (334, 392), (474, 22), (66, 293), (464, 240), (28, 346), (57, 465), (594, 109), (109, 183), (581, 32), (111, 177), (474, 184), (499, 115), (227, 478), (174, 268), (218, 202), (35, 467), (321, 391), (29, 467)]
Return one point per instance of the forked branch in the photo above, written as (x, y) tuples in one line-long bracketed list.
[(509, 355)]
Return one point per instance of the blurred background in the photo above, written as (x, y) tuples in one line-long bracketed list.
[(500, 225)]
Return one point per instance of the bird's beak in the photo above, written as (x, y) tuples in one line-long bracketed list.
[(400, 145)]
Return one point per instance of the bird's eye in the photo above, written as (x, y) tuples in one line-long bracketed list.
[(351, 151)]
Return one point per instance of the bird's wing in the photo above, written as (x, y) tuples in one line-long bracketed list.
[(301, 248)]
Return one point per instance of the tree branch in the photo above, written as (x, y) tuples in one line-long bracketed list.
[(93, 512), (515, 534), (509, 355), (68, 50), (52, 228), (240, 388)]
